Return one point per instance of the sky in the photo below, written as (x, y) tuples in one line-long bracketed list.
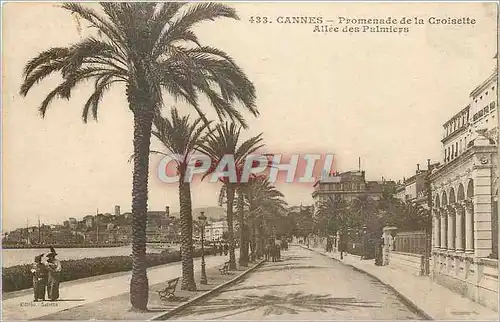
[(381, 97)]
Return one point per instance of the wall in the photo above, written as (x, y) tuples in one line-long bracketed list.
[(488, 283), (476, 280), (406, 261)]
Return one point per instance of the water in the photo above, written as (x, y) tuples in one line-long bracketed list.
[(12, 257)]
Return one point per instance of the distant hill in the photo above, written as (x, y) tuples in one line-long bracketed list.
[(213, 213)]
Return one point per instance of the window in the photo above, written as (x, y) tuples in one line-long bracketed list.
[(486, 93), (448, 154), (492, 105), (480, 114), (486, 109), (452, 151), (456, 149)]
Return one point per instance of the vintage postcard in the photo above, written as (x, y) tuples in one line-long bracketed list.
[(250, 160)]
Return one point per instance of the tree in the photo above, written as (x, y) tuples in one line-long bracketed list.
[(224, 141), (364, 207), (147, 47), (182, 138), (265, 205)]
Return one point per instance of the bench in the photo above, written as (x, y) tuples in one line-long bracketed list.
[(224, 269), (169, 289)]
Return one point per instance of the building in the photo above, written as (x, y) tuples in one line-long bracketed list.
[(89, 221), (155, 221), (348, 186), (415, 189), (215, 230), (117, 210), (72, 223), (465, 197)]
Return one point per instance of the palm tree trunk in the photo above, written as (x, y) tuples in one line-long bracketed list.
[(230, 228), (243, 260), (139, 287), (186, 217), (260, 241), (254, 241)]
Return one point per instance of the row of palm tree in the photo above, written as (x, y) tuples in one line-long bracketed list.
[(339, 215), (152, 50), (182, 138)]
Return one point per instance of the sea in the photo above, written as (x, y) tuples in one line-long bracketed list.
[(12, 257)]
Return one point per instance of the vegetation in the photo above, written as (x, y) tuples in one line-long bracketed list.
[(182, 138), (223, 141), (19, 277), (364, 218), (148, 47)]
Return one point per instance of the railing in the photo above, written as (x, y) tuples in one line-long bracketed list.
[(415, 242)]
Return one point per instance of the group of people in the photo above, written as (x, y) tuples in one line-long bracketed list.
[(221, 249), (329, 244), (46, 276), (273, 249)]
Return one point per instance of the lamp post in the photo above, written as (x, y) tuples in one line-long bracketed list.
[(364, 242), (203, 220)]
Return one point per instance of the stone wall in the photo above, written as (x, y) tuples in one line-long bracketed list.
[(409, 262), (474, 279)]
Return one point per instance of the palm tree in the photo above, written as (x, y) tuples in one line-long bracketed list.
[(148, 47), (265, 205), (224, 141), (182, 138), (364, 206), (330, 215)]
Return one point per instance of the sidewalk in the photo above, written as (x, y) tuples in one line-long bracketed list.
[(432, 299), (78, 294)]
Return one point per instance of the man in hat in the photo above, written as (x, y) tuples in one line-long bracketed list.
[(54, 268), (40, 274)]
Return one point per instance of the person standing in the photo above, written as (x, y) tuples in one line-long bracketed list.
[(54, 268), (40, 274)]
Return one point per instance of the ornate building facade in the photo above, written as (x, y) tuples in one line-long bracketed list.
[(464, 193)]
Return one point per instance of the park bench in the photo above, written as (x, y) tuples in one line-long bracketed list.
[(169, 289), (224, 269)]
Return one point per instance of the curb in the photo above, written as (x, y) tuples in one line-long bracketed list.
[(178, 308), (405, 299)]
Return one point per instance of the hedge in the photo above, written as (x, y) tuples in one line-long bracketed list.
[(19, 277)]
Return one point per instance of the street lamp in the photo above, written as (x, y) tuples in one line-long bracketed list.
[(364, 242), (203, 220)]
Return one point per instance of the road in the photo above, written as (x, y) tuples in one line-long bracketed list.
[(304, 285)]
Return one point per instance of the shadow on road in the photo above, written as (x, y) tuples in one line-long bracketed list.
[(258, 287), (276, 304), (290, 266)]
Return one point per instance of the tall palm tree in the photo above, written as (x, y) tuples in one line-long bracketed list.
[(182, 138), (265, 204), (225, 140), (148, 47)]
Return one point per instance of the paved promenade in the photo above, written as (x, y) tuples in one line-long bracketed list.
[(303, 286), (438, 302), (75, 294)]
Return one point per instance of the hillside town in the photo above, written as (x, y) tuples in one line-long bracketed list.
[(111, 229)]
